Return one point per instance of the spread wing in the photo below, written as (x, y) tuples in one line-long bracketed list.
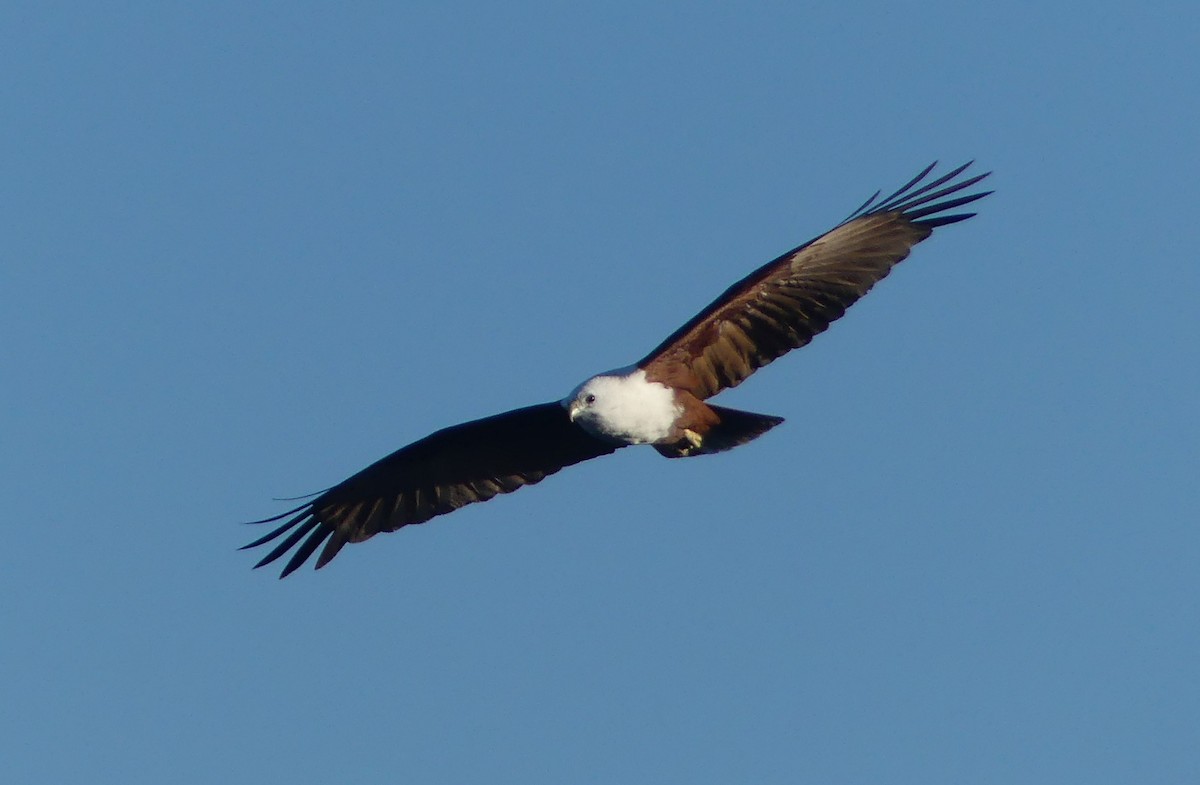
[(783, 304), (454, 467)]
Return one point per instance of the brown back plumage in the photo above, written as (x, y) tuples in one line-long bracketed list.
[(784, 303)]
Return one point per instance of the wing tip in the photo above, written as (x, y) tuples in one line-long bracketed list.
[(920, 202), (304, 522)]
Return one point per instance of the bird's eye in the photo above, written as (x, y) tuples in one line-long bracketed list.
[(590, 399)]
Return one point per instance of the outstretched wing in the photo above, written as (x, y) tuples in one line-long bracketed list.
[(784, 303), (454, 467)]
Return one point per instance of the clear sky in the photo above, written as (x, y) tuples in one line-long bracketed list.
[(248, 248)]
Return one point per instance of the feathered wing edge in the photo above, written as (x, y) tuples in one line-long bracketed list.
[(303, 520), (905, 200)]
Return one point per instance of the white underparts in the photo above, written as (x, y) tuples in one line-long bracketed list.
[(621, 405)]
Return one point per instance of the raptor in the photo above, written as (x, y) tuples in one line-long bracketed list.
[(660, 401)]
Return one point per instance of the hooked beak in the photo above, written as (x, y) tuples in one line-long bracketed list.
[(573, 410)]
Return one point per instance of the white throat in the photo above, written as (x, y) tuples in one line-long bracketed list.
[(622, 406)]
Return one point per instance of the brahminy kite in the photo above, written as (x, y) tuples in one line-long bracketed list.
[(659, 400)]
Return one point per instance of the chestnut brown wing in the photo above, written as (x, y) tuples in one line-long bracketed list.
[(784, 303)]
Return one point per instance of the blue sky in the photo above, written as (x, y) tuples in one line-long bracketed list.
[(250, 248)]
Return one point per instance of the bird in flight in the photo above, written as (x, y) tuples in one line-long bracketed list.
[(659, 400)]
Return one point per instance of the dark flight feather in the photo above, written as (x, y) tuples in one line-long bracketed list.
[(446, 470)]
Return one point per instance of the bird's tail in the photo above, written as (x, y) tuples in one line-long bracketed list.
[(733, 428), (736, 427)]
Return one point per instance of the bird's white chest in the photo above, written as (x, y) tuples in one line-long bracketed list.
[(625, 407)]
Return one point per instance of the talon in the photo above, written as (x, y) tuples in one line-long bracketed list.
[(693, 437)]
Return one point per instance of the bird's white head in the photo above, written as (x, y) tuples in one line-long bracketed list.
[(622, 406)]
